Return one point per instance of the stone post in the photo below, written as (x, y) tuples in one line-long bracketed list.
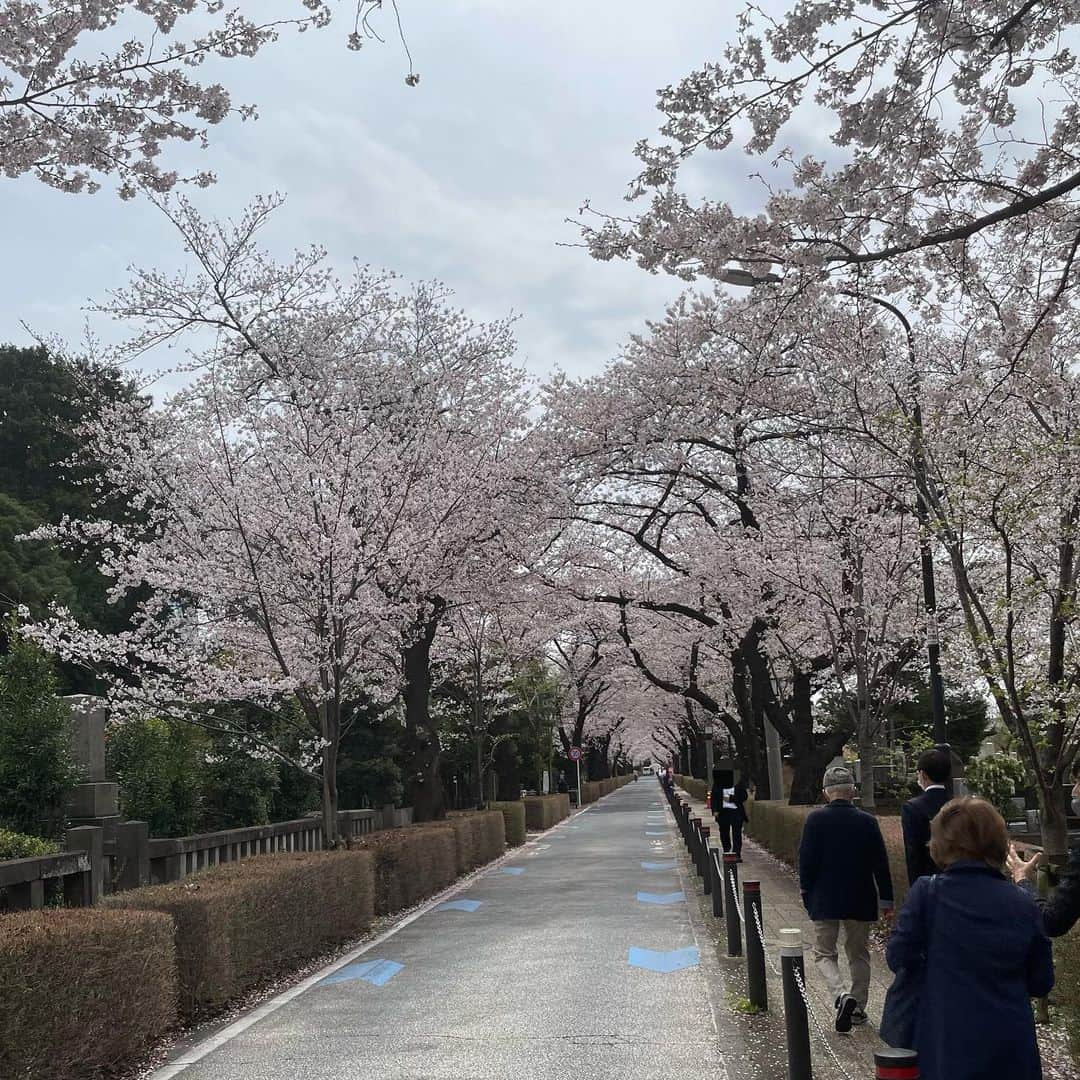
[(91, 840), (93, 802), (133, 854)]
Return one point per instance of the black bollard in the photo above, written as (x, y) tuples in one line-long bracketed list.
[(731, 897), (716, 875), (795, 1018), (703, 861), (890, 1064), (755, 948)]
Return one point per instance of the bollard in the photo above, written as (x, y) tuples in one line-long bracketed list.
[(890, 1064), (695, 847), (755, 948), (731, 899), (716, 875), (795, 1018), (703, 861)]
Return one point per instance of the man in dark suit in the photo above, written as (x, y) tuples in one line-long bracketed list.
[(916, 814), (845, 882)]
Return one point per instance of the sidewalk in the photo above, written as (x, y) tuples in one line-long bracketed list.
[(578, 955), (835, 1056)]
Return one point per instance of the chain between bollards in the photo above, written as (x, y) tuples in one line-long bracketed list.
[(796, 1021)]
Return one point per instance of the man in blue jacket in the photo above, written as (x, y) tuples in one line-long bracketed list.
[(845, 882)]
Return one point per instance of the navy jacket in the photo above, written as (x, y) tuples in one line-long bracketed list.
[(985, 957), (843, 865), (1062, 911), (915, 817)]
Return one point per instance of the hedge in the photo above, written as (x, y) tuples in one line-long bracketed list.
[(83, 991), (544, 811), (514, 820), (410, 863), (698, 789), (481, 837), (597, 789), (243, 923)]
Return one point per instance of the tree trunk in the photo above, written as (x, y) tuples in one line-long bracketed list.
[(331, 739), (423, 780), (1055, 828), (867, 754)]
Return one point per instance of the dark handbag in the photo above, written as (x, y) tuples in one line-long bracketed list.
[(902, 998)]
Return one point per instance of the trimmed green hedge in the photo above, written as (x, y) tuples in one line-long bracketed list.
[(699, 789), (513, 821), (83, 991), (243, 923), (481, 836)]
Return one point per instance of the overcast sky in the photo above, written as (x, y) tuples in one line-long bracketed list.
[(524, 110)]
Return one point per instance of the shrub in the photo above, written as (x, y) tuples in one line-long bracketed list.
[(997, 779), (83, 991), (15, 845), (514, 820), (36, 768), (544, 811), (410, 864), (243, 923), (481, 837)]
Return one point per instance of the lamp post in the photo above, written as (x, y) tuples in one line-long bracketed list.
[(707, 728)]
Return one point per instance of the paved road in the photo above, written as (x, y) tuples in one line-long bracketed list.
[(535, 982)]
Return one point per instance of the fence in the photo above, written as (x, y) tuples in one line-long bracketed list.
[(97, 860)]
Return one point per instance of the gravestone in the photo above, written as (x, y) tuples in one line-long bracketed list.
[(95, 800)]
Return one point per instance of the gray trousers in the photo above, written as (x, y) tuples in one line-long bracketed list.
[(857, 949)]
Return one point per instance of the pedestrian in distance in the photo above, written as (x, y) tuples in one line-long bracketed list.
[(728, 800), (934, 770), (1062, 910), (978, 944), (846, 886)]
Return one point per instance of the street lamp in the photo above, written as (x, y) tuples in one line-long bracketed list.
[(707, 728)]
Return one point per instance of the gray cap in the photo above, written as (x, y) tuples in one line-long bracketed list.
[(838, 776)]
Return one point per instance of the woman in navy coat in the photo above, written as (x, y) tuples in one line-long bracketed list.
[(984, 950)]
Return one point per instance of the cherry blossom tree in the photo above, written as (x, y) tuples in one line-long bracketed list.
[(99, 88), (952, 127), (328, 471)]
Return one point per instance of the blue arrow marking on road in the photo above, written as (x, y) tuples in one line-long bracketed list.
[(662, 898), (513, 870), (376, 972), (459, 905), (657, 866), (665, 962)]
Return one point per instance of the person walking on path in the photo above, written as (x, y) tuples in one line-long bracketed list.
[(729, 808), (979, 944), (846, 884), (934, 769), (1061, 911)]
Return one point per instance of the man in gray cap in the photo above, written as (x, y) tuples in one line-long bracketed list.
[(845, 881)]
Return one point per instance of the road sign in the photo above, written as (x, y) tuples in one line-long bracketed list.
[(575, 753)]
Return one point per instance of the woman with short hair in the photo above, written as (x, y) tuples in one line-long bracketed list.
[(980, 945)]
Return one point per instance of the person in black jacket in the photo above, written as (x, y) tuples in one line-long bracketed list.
[(916, 814), (729, 809), (845, 882), (1062, 910)]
